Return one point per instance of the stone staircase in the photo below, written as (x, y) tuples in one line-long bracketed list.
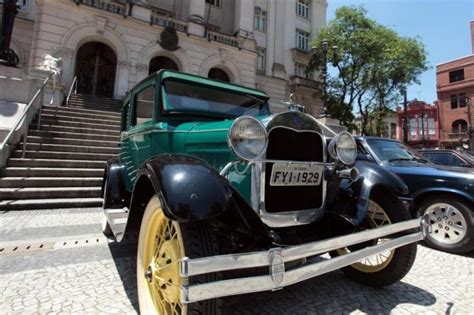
[(64, 162)]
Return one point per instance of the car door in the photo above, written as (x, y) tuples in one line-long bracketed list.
[(141, 125)]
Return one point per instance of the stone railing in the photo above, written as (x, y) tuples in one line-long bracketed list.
[(223, 39), (312, 84), (458, 135), (117, 7), (157, 18)]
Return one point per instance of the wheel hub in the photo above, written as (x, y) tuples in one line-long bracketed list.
[(447, 222)]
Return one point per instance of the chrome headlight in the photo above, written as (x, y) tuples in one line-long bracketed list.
[(247, 138), (343, 148)]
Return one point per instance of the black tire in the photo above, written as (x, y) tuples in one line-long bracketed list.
[(439, 237), (402, 258), (197, 241)]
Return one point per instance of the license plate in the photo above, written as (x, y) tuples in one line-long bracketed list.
[(296, 175)]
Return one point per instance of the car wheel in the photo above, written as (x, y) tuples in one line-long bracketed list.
[(451, 222), (161, 244), (387, 267)]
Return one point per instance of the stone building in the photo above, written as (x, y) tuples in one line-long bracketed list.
[(422, 125), (109, 46)]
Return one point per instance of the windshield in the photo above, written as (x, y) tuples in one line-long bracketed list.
[(184, 97), (391, 151)]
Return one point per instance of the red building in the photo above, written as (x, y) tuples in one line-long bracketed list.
[(422, 126), (455, 89)]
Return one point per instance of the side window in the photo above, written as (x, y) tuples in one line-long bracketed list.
[(144, 104)]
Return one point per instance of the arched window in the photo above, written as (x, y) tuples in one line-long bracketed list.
[(459, 126), (162, 62), (218, 74)]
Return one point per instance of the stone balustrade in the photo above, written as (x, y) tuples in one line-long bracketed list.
[(223, 39), (106, 5), (157, 18)]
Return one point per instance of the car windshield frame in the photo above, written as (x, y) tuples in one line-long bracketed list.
[(192, 93), (406, 153)]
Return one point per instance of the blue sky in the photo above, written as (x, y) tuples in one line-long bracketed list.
[(442, 25)]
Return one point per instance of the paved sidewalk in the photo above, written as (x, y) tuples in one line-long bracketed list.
[(78, 271)]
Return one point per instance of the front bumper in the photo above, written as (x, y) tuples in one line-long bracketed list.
[(275, 259)]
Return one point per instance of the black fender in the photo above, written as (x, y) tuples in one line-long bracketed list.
[(353, 196), (115, 195), (189, 190)]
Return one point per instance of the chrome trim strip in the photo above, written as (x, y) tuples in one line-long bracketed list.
[(204, 265), (199, 292)]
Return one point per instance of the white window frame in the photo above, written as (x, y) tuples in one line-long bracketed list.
[(303, 8), (260, 20), (302, 40)]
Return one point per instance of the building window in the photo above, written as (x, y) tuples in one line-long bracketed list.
[(413, 127), (260, 19), (459, 126), (393, 130), (462, 100), (300, 70), (302, 40), (456, 75), (454, 101), (431, 127), (216, 3), (261, 60), (303, 8)]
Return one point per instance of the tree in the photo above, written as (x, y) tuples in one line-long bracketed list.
[(370, 65)]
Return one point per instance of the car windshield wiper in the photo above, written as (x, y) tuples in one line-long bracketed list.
[(400, 159), (421, 160)]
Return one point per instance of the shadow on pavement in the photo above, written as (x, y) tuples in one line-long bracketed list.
[(330, 293), (468, 254), (124, 256)]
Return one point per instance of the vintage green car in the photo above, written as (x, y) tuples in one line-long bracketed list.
[(227, 198)]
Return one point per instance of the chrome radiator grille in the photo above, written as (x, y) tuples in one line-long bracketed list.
[(288, 144)]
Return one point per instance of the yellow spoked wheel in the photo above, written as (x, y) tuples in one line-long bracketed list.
[(160, 247), (378, 217), (392, 265)]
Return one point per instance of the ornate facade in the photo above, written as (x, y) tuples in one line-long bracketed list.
[(109, 46)]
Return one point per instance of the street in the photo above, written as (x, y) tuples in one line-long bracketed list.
[(58, 261)]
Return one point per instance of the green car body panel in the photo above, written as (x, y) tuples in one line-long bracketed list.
[(201, 138)]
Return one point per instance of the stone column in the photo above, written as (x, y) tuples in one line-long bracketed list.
[(121, 79), (197, 11), (318, 15), (243, 18)]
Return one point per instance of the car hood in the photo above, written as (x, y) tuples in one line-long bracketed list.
[(431, 170)]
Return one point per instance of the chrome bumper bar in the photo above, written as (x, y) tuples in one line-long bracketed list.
[(275, 259)]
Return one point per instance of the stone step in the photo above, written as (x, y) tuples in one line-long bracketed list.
[(92, 107), (73, 115), (81, 142), (29, 204), (81, 111), (99, 121), (50, 192), (63, 155), (77, 124), (51, 172), (73, 135), (69, 148), (98, 130), (99, 99), (18, 162), (21, 182)]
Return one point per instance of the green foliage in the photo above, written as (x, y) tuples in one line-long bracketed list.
[(371, 63)]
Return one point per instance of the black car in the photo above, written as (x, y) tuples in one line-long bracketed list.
[(449, 157), (445, 193)]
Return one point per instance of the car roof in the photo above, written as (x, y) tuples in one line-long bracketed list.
[(437, 150), (182, 76), (362, 138)]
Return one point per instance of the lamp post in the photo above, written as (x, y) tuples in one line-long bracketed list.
[(10, 9), (403, 91), (470, 128), (324, 73)]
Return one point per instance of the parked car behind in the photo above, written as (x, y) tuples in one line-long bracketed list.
[(448, 157), (445, 193)]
